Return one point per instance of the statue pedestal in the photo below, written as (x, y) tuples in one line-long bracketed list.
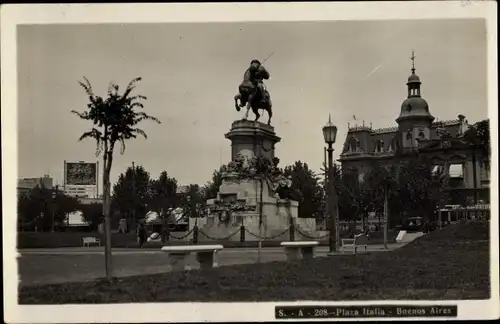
[(244, 196), (250, 138)]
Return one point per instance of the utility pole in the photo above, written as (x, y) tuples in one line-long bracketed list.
[(386, 215), (54, 202), (332, 201)]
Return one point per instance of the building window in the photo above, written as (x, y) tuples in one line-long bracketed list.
[(408, 135), (456, 171), (484, 174), (379, 147), (354, 144), (421, 135), (437, 170)]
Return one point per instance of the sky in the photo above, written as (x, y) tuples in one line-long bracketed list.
[(191, 72)]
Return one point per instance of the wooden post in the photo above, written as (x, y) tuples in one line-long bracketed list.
[(386, 216)]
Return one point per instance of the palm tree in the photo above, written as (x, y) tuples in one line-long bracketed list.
[(114, 120)]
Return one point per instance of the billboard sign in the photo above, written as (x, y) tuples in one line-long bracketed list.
[(81, 173), (182, 190)]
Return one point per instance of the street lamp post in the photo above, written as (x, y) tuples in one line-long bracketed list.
[(330, 134)]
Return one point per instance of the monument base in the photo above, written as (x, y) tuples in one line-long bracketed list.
[(247, 200)]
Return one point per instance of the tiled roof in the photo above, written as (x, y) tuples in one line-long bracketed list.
[(385, 130)]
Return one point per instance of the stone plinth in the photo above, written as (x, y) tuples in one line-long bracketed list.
[(250, 138)]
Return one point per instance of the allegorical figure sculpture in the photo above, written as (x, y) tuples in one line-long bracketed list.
[(253, 93)]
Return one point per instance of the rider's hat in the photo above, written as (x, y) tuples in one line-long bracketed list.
[(255, 61)]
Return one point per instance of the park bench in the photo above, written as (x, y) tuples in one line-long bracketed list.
[(354, 243), (205, 255), (90, 240), (300, 249)]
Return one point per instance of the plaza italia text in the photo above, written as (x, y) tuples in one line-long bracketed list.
[(399, 311), (376, 312)]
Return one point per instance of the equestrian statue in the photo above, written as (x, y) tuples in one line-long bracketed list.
[(253, 93)]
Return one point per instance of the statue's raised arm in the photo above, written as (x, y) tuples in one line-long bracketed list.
[(262, 73)]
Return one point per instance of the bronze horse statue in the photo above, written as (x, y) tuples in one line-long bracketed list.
[(252, 92)]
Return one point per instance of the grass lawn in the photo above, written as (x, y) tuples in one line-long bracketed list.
[(449, 264)]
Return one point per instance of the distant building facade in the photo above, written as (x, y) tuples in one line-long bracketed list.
[(88, 201), (25, 185), (417, 134)]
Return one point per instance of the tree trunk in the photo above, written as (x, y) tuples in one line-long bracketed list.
[(108, 159), (363, 221)]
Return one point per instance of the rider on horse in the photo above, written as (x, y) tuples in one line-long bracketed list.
[(252, 85), (258, 73)]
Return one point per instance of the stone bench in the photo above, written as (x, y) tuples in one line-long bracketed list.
[(299, 250), (90, 240), (204, 255), (354, 243)]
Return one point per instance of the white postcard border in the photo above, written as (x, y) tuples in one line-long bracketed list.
[(12, 15)]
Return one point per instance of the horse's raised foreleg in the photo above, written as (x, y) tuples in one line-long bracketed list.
[(236, 105)]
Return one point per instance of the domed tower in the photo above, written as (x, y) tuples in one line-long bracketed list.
[(414, 120)]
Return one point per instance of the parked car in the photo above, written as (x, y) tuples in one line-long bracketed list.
[(413, 224)]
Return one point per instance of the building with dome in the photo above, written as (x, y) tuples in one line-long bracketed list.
[(417, 133)]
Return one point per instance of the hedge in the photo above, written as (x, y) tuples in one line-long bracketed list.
[(34, 240)]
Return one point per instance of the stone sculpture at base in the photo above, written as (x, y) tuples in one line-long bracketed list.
[(252, 178)]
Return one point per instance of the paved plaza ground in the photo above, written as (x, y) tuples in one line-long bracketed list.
[(448, 264), (46, 266)]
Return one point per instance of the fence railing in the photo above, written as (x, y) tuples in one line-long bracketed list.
[(292, 230)]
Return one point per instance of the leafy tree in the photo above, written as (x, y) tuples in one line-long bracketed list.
[(419, 189), (212, 188), (43, 207), (162, 193), (92, 214), (375, 183), (479, 136), (114, 120), (131, 193), (353, 195), (193, 201), (345, 201), (305, 189)]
